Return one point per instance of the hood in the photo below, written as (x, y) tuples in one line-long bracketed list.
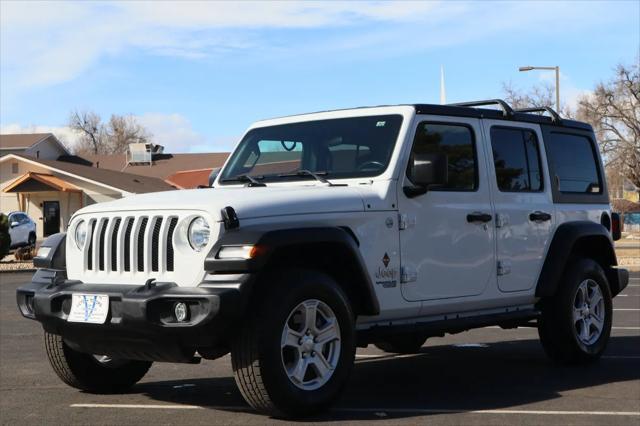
[(248, 203)]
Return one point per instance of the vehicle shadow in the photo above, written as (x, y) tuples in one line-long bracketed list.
[(499, 376)]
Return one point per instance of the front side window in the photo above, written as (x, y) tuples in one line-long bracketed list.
[(456, 141), (575, 163), (336, 148), (516, 159)]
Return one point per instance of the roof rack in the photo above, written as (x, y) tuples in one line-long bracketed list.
[(507, 111), (555, 117)]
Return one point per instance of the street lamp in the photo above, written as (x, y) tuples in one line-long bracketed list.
[(557, 70)]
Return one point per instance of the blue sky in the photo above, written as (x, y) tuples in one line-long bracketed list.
[(197, 73)]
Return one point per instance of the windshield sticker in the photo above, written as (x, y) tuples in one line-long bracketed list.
[(381, 123)]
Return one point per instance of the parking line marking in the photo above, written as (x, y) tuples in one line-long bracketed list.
[(499, 411), (627, 309), (150, 406), (374, 410)]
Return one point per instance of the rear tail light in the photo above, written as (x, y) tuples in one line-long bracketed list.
[(616, 226)]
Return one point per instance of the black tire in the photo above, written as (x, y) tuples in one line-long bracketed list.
[(557, 330), (85, 372), (402, 344), (32, 240), (256, 353)]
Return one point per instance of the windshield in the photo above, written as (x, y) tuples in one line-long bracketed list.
[(336, 148)]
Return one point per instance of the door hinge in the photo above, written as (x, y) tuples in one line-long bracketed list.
[(408, 274), (406, 221), (504, 267), (501, 220)]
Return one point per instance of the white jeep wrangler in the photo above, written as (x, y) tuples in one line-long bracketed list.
[(332, 230)]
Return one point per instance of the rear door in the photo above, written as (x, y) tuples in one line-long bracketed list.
[(522, 199), (447, 241)]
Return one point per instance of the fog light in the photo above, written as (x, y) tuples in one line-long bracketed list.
[(43, 252), (181, 311)]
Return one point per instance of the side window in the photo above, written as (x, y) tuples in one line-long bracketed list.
[(574, 162), (456, 141), (516, 159)]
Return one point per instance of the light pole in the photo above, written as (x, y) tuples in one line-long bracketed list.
[(557, 70)]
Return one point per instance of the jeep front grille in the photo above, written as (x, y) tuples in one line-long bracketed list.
[(125, 244)]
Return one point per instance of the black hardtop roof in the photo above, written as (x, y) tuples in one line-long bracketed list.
[(470, 109)]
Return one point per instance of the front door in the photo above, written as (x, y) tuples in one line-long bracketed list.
[(447, 246), (51, 217), (523, 202)]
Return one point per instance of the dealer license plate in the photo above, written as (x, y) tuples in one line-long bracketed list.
[(89, 308)]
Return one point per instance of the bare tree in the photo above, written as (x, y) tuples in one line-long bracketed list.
[(112, 137), (123, 130), (91, 129), (614, 112), (541, 95)]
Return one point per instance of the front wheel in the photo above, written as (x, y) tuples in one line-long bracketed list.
[(92, 373), (576, 322), (294, 356)]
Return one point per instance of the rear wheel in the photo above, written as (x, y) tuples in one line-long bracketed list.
[(32, 240), (576, 322), (402, 344), (294, 356), (92, 373)]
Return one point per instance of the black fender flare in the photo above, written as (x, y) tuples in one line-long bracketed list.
[(581, 237), (269, 240)]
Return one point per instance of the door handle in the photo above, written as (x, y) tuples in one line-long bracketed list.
[(539, 216), (478, 217)]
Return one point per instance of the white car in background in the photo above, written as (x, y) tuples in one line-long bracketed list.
[(21, 229)]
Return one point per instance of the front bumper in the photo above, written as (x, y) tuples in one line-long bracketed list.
[(140, 323)]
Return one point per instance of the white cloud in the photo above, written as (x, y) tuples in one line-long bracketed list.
[(45, 43), (174, 132)]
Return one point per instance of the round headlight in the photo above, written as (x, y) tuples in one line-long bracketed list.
[(81, 234), (198, 233)]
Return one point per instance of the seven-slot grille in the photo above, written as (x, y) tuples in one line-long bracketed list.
[(131, 244)]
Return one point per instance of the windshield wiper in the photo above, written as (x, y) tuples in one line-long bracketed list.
[(316, 175), (251, 181)]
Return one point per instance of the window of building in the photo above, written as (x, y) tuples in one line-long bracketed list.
[(456, 141), (516, 159), (575, 163), (15, 169)]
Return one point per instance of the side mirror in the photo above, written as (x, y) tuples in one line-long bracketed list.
[(426, 170), (213, 176), (14, 224)]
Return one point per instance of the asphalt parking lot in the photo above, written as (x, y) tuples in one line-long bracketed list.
[(485, 376)]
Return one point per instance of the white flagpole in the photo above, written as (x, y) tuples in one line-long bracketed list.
[(443, 92)]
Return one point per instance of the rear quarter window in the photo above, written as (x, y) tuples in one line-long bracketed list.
[(576, 164)]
